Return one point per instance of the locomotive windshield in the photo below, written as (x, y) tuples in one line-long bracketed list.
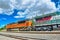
[(21, 21)]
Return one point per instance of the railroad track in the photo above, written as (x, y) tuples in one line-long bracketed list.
[(20, 38), (37, 32)]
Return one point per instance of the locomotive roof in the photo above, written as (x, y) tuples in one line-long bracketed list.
[(19, 21)]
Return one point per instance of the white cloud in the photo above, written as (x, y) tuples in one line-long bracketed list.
[(59, 6), (37, 6), (20, 15), (5, 6), (31, 7), (1, 11), (41, 7)]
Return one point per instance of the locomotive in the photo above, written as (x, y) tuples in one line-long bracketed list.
[(25, 25)]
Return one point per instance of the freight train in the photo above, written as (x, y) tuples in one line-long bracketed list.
[(47, 23)]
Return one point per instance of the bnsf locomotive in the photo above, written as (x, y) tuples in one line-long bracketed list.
[(24, 25)]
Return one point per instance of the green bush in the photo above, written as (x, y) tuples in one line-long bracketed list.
[(2, 28)]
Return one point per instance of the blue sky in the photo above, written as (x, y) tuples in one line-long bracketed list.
[(17, 10)]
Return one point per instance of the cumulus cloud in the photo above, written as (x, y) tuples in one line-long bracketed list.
[(31, 7), (59, 6), (5, 7), (1, 11), (20, 15), (35, 7), (42, 7)]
